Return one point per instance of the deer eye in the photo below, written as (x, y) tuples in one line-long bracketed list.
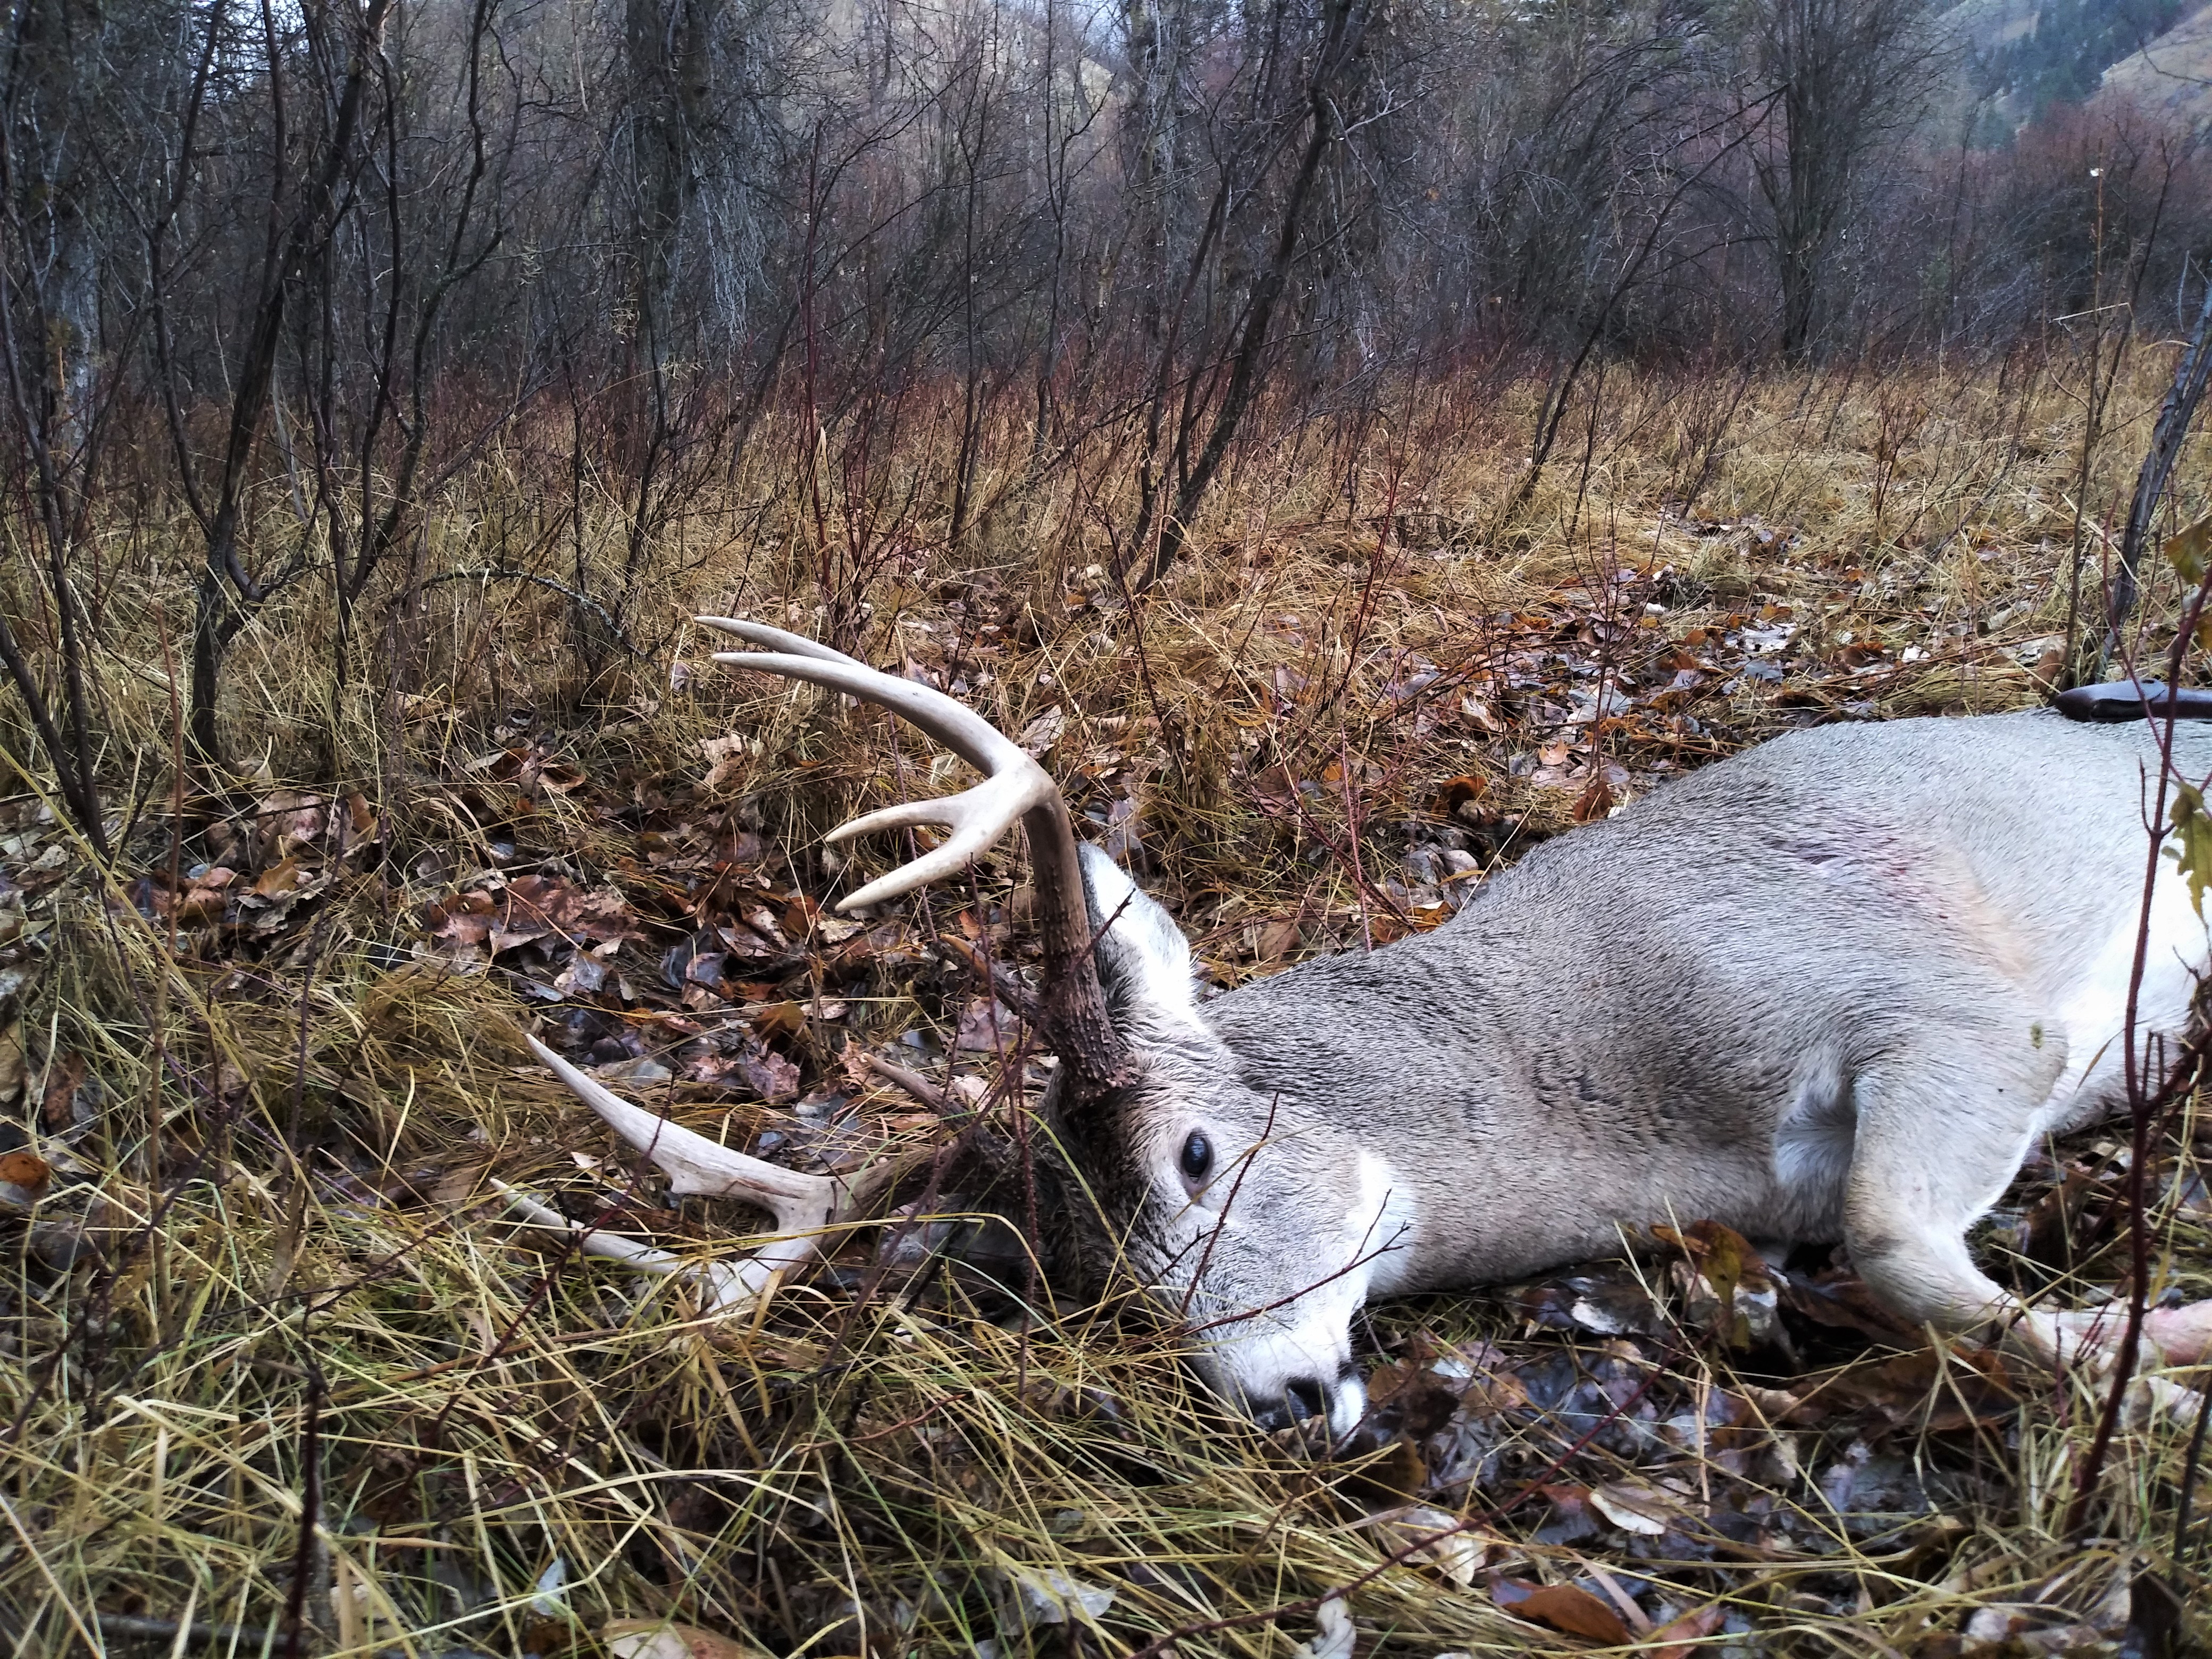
[(1197, 1157)]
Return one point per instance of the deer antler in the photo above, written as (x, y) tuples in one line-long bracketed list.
[(1013, 786), (804, 1206)]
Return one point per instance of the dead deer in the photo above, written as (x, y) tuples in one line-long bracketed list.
[(1836, 987)]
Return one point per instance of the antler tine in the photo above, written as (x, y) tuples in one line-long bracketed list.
[(1013, 784), (804, 1206), (698, 1165), (731, 1286), (953, 724), (1014, 787), (790, 644)]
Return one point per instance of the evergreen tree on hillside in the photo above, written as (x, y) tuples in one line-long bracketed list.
[(2073, 44)]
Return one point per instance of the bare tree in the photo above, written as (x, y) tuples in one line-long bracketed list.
[(49, 328), (1846, 77), (1291, 104)]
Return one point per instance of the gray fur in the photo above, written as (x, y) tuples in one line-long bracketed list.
[(1834, 987)]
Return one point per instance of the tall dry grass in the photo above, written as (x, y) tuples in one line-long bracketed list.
[(272, 1279)]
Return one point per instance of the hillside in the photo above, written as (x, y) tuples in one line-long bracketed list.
[(2024, 57), (2173, 73)]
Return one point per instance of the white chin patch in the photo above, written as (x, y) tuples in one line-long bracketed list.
[(1347, 1406), (1260, 1368)]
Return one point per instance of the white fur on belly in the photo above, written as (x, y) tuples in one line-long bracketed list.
[(2092, 1011)]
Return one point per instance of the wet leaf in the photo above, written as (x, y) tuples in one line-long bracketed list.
[(1563, 1607)]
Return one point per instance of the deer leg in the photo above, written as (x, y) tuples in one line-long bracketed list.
[(1938, 1138)]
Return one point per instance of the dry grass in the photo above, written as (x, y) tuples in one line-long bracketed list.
[(292, 1283)]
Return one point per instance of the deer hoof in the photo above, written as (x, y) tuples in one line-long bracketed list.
[(2183, 1335), (2152, 1402)]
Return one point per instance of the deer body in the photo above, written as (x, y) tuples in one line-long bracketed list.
[(1672, 1010), (1836, 986)]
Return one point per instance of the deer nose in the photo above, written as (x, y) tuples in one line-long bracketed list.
[(1303, 1398)]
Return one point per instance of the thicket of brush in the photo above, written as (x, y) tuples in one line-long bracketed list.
[(279, 1374)]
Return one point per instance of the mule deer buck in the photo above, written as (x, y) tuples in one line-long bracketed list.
[(1835, 987)]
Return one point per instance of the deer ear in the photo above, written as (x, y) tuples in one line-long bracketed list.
[(1144, 961)]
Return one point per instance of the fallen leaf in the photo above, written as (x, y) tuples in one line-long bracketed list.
[(780, 1019), (639, 1074), (1679, 1639), (1395, 1477), (1442, 1542), (288, 818), (278, 880), (728, 757), (457, 1186), (1040, 733), (650, 1638), (1731, 1292), (1633, 1507), (1595, 802), (772, 1076), (1045, 1595), (64, 1078), (1461, 792), (23, 1178), (13, 1067), (1335, 1637), (582, 977), (1479, 711), (1276, 787), (1564, 1607), (986, 1027)]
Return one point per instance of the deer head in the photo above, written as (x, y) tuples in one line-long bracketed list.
[(1251, 1223)]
